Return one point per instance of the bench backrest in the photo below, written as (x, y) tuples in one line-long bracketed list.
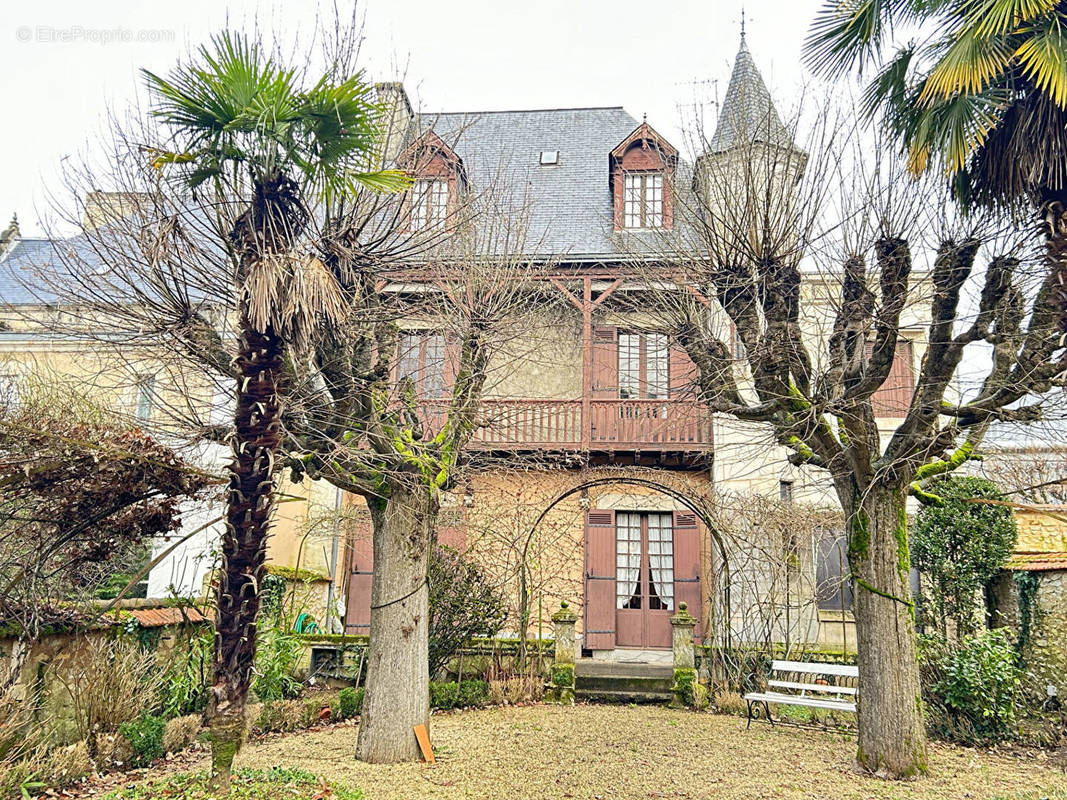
[(816, 668)]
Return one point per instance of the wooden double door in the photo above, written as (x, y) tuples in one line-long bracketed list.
[(639, 566)]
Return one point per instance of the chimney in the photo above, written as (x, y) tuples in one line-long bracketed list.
[(104, 207), (396, 119)]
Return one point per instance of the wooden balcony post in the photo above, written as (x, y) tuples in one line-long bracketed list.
[(587, 361)]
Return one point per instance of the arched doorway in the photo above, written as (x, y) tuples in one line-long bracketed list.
[(641, 564)]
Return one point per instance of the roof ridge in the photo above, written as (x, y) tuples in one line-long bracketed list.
[(523, 110)]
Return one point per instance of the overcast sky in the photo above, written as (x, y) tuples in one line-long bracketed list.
[(63, 63)]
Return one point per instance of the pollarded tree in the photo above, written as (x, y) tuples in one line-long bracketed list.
[(247, 131), (959, 545), (980, 92), (804, 351)]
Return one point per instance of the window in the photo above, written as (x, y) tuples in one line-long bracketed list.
[(422, 359), (644, 570), (785, 491), (833, 580), (643, 200), (145, 397), (643, 366), (429, 204)]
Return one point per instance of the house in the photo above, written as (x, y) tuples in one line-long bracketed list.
[(610, 476)]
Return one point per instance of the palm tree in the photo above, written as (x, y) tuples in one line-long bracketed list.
[(981, 92), (245, 128)]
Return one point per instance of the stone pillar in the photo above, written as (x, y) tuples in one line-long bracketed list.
[(687, 690), (560, 689)]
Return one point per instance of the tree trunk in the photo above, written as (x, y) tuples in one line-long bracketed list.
[(892, 736), (397, 696), (244, 544)]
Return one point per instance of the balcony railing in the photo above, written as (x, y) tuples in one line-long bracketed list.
[(611, 424)]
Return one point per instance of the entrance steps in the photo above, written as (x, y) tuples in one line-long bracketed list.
[(605, 681)]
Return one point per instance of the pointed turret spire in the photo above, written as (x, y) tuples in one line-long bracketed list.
[(748, 113)]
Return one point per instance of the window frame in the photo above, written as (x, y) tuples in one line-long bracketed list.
[(646, 215), (430, 201), (421, 348), (644, 379)]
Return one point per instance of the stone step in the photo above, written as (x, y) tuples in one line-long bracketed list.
[(622, 696), (635, 684)]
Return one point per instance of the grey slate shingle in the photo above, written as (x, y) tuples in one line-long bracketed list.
[(748, 113)]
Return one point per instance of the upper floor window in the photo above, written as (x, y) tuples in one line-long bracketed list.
[(429, 203), (422, 359), (644, 370), (643, 200)]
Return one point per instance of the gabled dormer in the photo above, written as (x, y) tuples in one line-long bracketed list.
[(440, 180), (642, 169)]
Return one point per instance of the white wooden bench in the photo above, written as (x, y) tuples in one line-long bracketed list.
[(805, 691)]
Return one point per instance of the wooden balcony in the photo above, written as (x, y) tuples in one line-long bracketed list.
[(611, 425)]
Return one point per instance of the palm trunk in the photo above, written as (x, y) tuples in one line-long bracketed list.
[(892, 736), (244, 545), (397, 696)]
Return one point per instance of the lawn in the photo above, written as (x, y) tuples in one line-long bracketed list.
[(619, 752)]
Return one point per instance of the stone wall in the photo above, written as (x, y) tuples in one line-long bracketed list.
[(1046, 652)]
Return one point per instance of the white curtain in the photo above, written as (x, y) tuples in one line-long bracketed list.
[(627, 558), (661, 557)]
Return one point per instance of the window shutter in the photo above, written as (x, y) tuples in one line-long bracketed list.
[(453, 346), (687, 565), (605, 364), (454, 536), (361, 573), (599, 633), (683, 375), (893, 397)]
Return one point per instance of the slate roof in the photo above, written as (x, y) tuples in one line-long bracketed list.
[(748, 113), (569, 204), (17, 265)]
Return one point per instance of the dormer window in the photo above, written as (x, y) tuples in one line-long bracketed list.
[(642, 171), (440, 181), (429, 203), (643, 200)]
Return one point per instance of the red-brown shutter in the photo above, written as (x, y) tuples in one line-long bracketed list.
[(361, 573), (687, 564), (599, 631), (893, 397), (453, 346), (605, 364), (454, 536), (683, 374)]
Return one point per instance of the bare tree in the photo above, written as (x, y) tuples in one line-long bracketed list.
[(794, 289)]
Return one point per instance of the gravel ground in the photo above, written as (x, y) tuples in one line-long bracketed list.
[(623, 753)]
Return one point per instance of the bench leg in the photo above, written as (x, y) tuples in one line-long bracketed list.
[(767, 710), (749, 723)]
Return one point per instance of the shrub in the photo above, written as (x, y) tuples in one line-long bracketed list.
[(185, 682), (277, 654), (280, 716), (349, 702), (971, 689), (107, 682), (463, 605), (181, 732), (145, 736), (466, 694), (960, 545)]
